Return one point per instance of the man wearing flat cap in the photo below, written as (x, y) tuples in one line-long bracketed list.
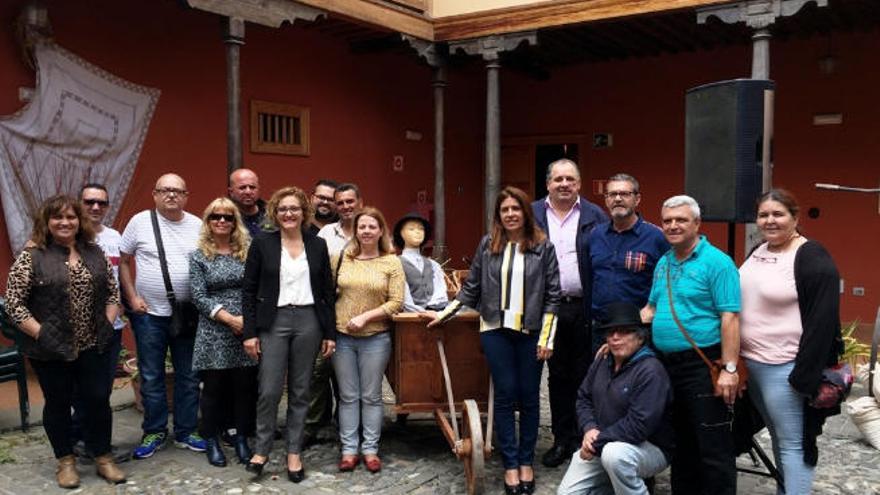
[(425, 285), (624, 412)]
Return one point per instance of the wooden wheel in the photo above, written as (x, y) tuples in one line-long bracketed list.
[(472, 447)]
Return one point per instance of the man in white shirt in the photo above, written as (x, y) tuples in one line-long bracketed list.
[(95, 202), (150, 314), (348, 204)]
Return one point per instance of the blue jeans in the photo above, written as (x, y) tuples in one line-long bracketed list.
[(111, 354), (516, 372), (153, 342), (360, 364), (783, 411), (620, 470)]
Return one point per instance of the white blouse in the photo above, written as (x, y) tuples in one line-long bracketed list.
[(295, 286)]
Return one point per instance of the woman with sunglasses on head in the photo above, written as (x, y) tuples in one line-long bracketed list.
[(216, 270), (288, 303)]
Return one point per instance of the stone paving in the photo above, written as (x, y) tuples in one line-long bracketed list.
[(416, 459)]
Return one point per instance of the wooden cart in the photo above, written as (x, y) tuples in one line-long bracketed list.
[(425, 365)]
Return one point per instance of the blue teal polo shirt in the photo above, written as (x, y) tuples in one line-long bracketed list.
[(704, 285)]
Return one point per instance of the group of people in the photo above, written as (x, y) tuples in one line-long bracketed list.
[(301, 290)]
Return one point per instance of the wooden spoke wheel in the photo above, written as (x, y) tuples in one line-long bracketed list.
[(472, 454)]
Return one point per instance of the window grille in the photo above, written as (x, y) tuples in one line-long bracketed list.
[(279, 128)]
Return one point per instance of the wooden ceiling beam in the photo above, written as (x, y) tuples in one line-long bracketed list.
[(549, 14)]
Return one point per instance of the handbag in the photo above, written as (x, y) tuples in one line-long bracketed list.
[(184, 315), (836, 383), (716, 366)]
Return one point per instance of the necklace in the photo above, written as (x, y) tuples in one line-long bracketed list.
[(783, 247)]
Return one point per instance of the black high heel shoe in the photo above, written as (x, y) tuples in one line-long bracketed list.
[(242, 449), (512, 489), (527, 487), (256, 467), (296, 476)]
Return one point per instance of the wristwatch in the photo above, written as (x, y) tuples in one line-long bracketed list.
[(730, 367)]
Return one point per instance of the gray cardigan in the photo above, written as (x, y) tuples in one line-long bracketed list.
[(482, 289)]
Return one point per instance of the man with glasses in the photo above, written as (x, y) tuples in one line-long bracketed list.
[(568, 218), (623, 252), (150, 314), (244, 191), (323, 199), (348, 204), (95, 203)]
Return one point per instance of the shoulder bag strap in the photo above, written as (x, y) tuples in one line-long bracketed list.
[(338, 266), (169, 290), (678, 322)]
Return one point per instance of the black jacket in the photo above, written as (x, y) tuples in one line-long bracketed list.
[(261, 283), (482, 289), (818, 288), (49, 302), (631, 405)]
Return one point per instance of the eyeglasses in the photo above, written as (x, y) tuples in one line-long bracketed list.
[(326, 199), (621, 194), (100, 202), (167, 191), (288, 209), (216, 217)]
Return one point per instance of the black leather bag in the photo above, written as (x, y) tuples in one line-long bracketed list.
[(184, 315), (184, 319)]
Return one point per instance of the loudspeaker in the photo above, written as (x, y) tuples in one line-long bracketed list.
[(724, 138)]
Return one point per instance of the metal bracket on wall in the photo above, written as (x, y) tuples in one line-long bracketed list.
[(836, 187), (272, 13)]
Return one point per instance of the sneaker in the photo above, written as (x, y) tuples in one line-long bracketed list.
[(192, 442), (149, 445)]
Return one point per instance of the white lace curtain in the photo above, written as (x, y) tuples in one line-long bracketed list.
[(82, 125)]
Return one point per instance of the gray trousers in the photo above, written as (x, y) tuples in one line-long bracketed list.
[(290, 345)]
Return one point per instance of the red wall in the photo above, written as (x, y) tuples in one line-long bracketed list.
[(641, 102), (361, 105)]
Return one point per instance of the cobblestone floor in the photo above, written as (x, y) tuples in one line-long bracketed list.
[(416, 458)]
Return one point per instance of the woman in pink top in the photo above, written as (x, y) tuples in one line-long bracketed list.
[(790, 331)]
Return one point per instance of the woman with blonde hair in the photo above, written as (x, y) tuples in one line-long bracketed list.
[(370, 288), (228, 374), (288, 318)]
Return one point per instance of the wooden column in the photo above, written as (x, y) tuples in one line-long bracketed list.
[(439, 84), (490, 48), (233, 37)]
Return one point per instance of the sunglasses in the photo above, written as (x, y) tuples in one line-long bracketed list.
[(100, 202), (216, 217)]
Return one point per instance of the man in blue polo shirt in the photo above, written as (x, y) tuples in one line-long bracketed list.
[(706, 299), (623, 252)]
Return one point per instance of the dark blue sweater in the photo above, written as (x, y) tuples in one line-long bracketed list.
[(631, 405)]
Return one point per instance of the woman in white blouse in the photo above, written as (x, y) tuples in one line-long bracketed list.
[(287, 302)]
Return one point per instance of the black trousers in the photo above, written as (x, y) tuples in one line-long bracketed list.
[(569, 364), (87, 375), (229, 397), (704, 462)]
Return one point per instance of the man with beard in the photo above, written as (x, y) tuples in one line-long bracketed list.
[(325, 205), (623, 252), (244, 190), (348, 204), (567, 218)]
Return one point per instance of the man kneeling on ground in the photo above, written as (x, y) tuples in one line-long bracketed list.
[(623, 409)]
